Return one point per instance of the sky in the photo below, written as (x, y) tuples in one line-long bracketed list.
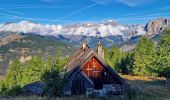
[(79, 11)]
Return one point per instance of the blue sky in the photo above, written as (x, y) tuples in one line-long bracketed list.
[(77, 11)]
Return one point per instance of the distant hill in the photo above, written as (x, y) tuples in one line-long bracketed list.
[(24, 46), (24, 39)]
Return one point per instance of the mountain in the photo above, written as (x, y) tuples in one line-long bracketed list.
[(98, 29), (156, 26), (25, 46), (102, 29), (24, 39)]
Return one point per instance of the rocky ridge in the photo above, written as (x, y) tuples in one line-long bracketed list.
[(157, 26)]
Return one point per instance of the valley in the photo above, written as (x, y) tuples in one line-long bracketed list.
[(18, 41)]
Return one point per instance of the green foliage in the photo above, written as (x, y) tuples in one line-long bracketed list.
[(55, 82), (14, 74), (53, 76), (126, 64), (14, 91), (162, 62), (33, 44), (2, 86), (36, 69), (11, 84), (113, 56), (60, 61), (144, 55), (33, 70)]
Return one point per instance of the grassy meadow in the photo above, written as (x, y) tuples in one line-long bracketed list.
[(143, 88), (148, 88)]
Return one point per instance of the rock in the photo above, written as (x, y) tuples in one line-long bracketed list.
[(10, 38), (168, 81), (128, 47), (23, 59), (109, 87), (37, 88), (157, 26), (99, 93), (89, 92), (2, 57), (67, 93)]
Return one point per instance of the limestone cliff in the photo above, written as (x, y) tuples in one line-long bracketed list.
[(157, 26)]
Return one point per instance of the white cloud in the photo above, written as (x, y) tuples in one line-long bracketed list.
[(80, 10), (77, 29), (133, 3), (142, 16), (104, 2), (166, 8), (11, 11), (36, 6)]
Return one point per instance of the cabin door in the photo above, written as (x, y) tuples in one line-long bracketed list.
[(78, 87), (98, 80)]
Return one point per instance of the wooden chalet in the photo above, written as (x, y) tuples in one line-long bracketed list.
[(87, 72)]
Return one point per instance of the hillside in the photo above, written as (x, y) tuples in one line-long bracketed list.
[(24, 46), (23, 39)]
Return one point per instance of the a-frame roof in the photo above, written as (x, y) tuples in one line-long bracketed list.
[(84, 75), (78, 57), (83, 55)]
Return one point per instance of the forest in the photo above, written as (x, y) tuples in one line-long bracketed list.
[(148, 59)]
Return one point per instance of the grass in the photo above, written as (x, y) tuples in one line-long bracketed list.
[(152, 87), (143, 88)]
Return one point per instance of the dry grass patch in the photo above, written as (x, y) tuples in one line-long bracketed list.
[(151, 86), (133, 78)]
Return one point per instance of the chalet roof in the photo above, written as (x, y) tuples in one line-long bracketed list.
[(85, 76), (78, 57), (83, 55)]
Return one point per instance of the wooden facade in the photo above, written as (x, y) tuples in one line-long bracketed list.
[(93, 68), (78, 84), (87, 70)]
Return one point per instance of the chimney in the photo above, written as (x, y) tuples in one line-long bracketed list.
[(100, 50), (84, 46)]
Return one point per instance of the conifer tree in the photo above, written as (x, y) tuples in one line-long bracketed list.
[(113, 56), (33, 70), (14, 74), (126, 64), (144, 55), (162, 62), (53, 78)]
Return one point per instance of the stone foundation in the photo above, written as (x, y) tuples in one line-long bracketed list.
[(168, 82)]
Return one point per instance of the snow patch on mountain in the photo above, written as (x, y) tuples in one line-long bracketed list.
[(107, 28)]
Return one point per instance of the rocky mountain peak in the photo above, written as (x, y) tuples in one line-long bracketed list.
[(157, 26)]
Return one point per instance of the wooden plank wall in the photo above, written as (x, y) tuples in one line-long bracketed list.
[(93, 68)]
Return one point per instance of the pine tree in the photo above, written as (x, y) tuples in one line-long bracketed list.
[(113, 56), (52, 77), (107, 56), (144, 55), (162, 62), (33, 70), (14, 74), (126, 64), (2, 86)]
